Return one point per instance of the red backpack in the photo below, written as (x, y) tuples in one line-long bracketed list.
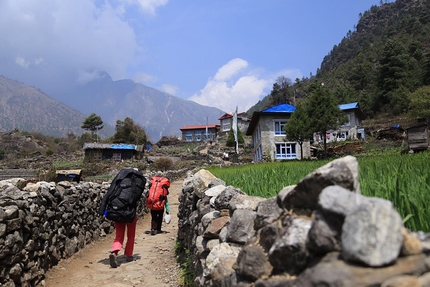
[(157, 193)]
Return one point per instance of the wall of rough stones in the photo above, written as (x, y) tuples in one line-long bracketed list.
[(320, 232), (42, 223)]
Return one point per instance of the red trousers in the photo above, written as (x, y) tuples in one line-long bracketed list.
[(120, 228)]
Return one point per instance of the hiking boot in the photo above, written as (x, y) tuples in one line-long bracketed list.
[(112, 260), (153, 232)]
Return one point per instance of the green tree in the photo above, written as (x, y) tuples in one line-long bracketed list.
[(419, 106), (280, 93), (129, 132), (92, 123), (298, 127), (324, 112), (230, 138)]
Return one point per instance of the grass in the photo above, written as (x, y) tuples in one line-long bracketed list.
[(68, 164), (402, 179), (186, 275)]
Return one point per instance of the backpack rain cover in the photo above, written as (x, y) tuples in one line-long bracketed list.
[(157, 193), (120, 202)]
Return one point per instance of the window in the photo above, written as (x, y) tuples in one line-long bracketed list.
[(226, 126), (198, 135), (116, 156), (286, 151), (97, 155), (208, 135), (189, 136), (279, 127)]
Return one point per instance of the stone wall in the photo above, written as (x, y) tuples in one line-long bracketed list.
[(18, 173), (320, 232), (42, 223)]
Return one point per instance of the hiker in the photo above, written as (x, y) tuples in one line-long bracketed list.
[(156, 201), (127, 186), (157, 219)]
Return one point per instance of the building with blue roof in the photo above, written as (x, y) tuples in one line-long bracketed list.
[(112, 151), (269, 138), (352, 129), (270, 142)]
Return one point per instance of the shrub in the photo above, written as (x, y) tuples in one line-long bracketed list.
[(163, 164)]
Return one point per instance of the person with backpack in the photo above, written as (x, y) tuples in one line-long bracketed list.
[(120, 205), (156, 199)]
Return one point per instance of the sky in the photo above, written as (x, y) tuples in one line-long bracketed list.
[(218, 53)]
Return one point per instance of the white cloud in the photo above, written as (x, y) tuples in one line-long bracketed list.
[(169, 89), (149, 6), (235, 84), (66, 37), (86, 76), (230, 69), (144, 78), (22, 62), (146, 6), (231, 87)]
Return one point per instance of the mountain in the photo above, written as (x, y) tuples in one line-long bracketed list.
[(380, 64), (160, 114), (29, 109)]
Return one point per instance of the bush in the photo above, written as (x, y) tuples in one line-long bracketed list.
[(182, 164), (163, 164), (230, 142)]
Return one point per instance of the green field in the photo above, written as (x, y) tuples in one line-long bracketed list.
[(402, 179)]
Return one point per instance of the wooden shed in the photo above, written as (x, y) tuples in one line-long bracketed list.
[(115, 152), (418, 137)]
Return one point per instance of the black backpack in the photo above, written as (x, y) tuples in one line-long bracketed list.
[(120, 202)]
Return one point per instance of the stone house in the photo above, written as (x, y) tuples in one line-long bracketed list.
[(353, 129), (268, 136), (115, 152), (226, 122), (200, 133)]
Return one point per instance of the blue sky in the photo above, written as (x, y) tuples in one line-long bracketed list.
[(220, 53)]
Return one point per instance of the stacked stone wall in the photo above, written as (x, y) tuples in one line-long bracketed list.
[(320, 232), (42, 223)]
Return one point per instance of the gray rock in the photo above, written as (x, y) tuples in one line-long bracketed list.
[(241, 226), (222, 201), (342, 172), (332, 271), (243, 201), (372, 234), (253, 263), (289, 253), (268, 211), (201, 181)]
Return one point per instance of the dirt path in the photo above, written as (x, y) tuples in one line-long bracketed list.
[(154, 264)]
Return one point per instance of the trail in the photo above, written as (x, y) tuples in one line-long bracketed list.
[(154, 258)]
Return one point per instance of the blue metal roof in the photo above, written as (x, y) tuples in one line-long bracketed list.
[(123, 146), (349, 106), (109, 146), (282, 108)]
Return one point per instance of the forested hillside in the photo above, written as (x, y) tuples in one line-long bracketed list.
[(384, 64)]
